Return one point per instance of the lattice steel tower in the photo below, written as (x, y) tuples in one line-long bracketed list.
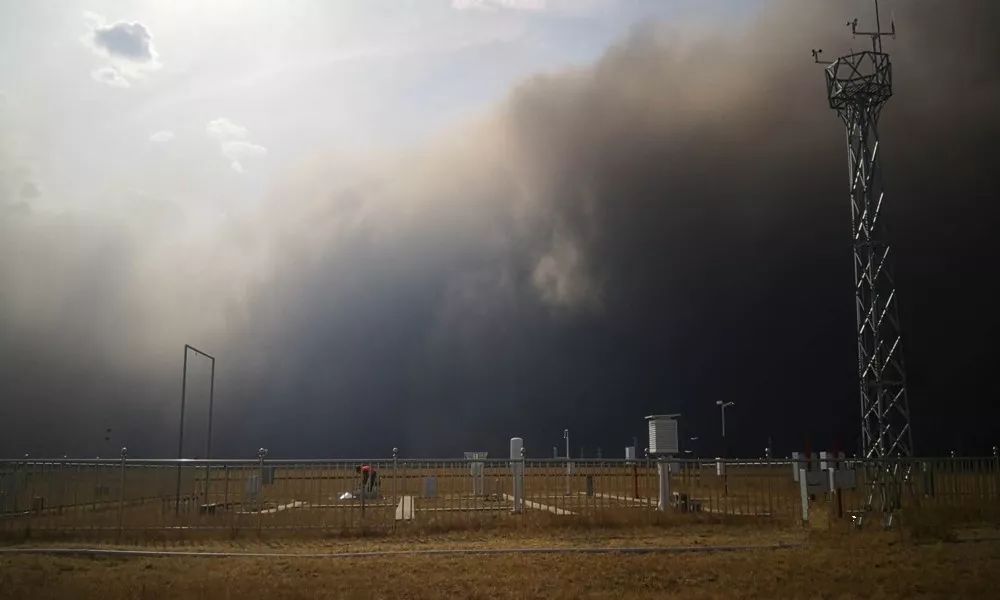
[(858, 85)]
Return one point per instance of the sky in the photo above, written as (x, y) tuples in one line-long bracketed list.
[(438, 224)]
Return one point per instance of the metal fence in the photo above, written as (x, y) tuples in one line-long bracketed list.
[(239, 496), (961, 483)]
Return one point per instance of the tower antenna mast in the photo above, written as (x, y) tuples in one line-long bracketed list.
[(858, 85)]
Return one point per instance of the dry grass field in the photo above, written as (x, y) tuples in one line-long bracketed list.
[(833, 563)]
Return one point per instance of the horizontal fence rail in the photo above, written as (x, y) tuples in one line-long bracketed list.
[(234, 496)]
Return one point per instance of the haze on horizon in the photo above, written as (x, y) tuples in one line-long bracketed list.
[(435, 225)]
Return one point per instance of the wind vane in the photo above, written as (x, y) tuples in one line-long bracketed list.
[(876, 35)]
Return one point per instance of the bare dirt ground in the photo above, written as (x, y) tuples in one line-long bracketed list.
[(828, 564)]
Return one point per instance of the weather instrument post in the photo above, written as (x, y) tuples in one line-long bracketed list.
[(663, 444), (517, 474), (858, 85)]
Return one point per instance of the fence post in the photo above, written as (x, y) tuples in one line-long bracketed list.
[(15, 489), (29, 480), (225, 500), (208, 471), (996, 473), (97, 484), (395, 479), (362, 494), (121, 492), (635, 479), (261, 453), (770, 475)]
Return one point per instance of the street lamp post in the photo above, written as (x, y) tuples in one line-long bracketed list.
[(723, 406), (180, 435), (725, 451)]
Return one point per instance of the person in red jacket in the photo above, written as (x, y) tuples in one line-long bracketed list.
[(369, 477)]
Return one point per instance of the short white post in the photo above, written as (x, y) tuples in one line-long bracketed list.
[(663, 470), (517, 472)]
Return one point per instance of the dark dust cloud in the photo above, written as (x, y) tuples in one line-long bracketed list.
[(650, 233)]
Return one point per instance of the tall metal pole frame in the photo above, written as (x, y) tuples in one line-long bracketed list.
[(180, 434), (858, 86)]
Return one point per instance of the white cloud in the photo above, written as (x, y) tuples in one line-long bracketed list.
[(566, 8), (110, 76), (224, 129), (162, 136), (498, 4), (128, 41), (238, 151), (232, 142), (128, 46)]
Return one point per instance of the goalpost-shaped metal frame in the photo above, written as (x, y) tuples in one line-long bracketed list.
[(180, 434)]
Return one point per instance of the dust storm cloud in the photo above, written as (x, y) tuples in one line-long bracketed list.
[(650, 233)]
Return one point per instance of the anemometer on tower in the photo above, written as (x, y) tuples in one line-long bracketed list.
[(875, 35)]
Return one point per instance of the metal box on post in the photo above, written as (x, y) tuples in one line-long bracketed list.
[(663, 439), (477, 469)]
